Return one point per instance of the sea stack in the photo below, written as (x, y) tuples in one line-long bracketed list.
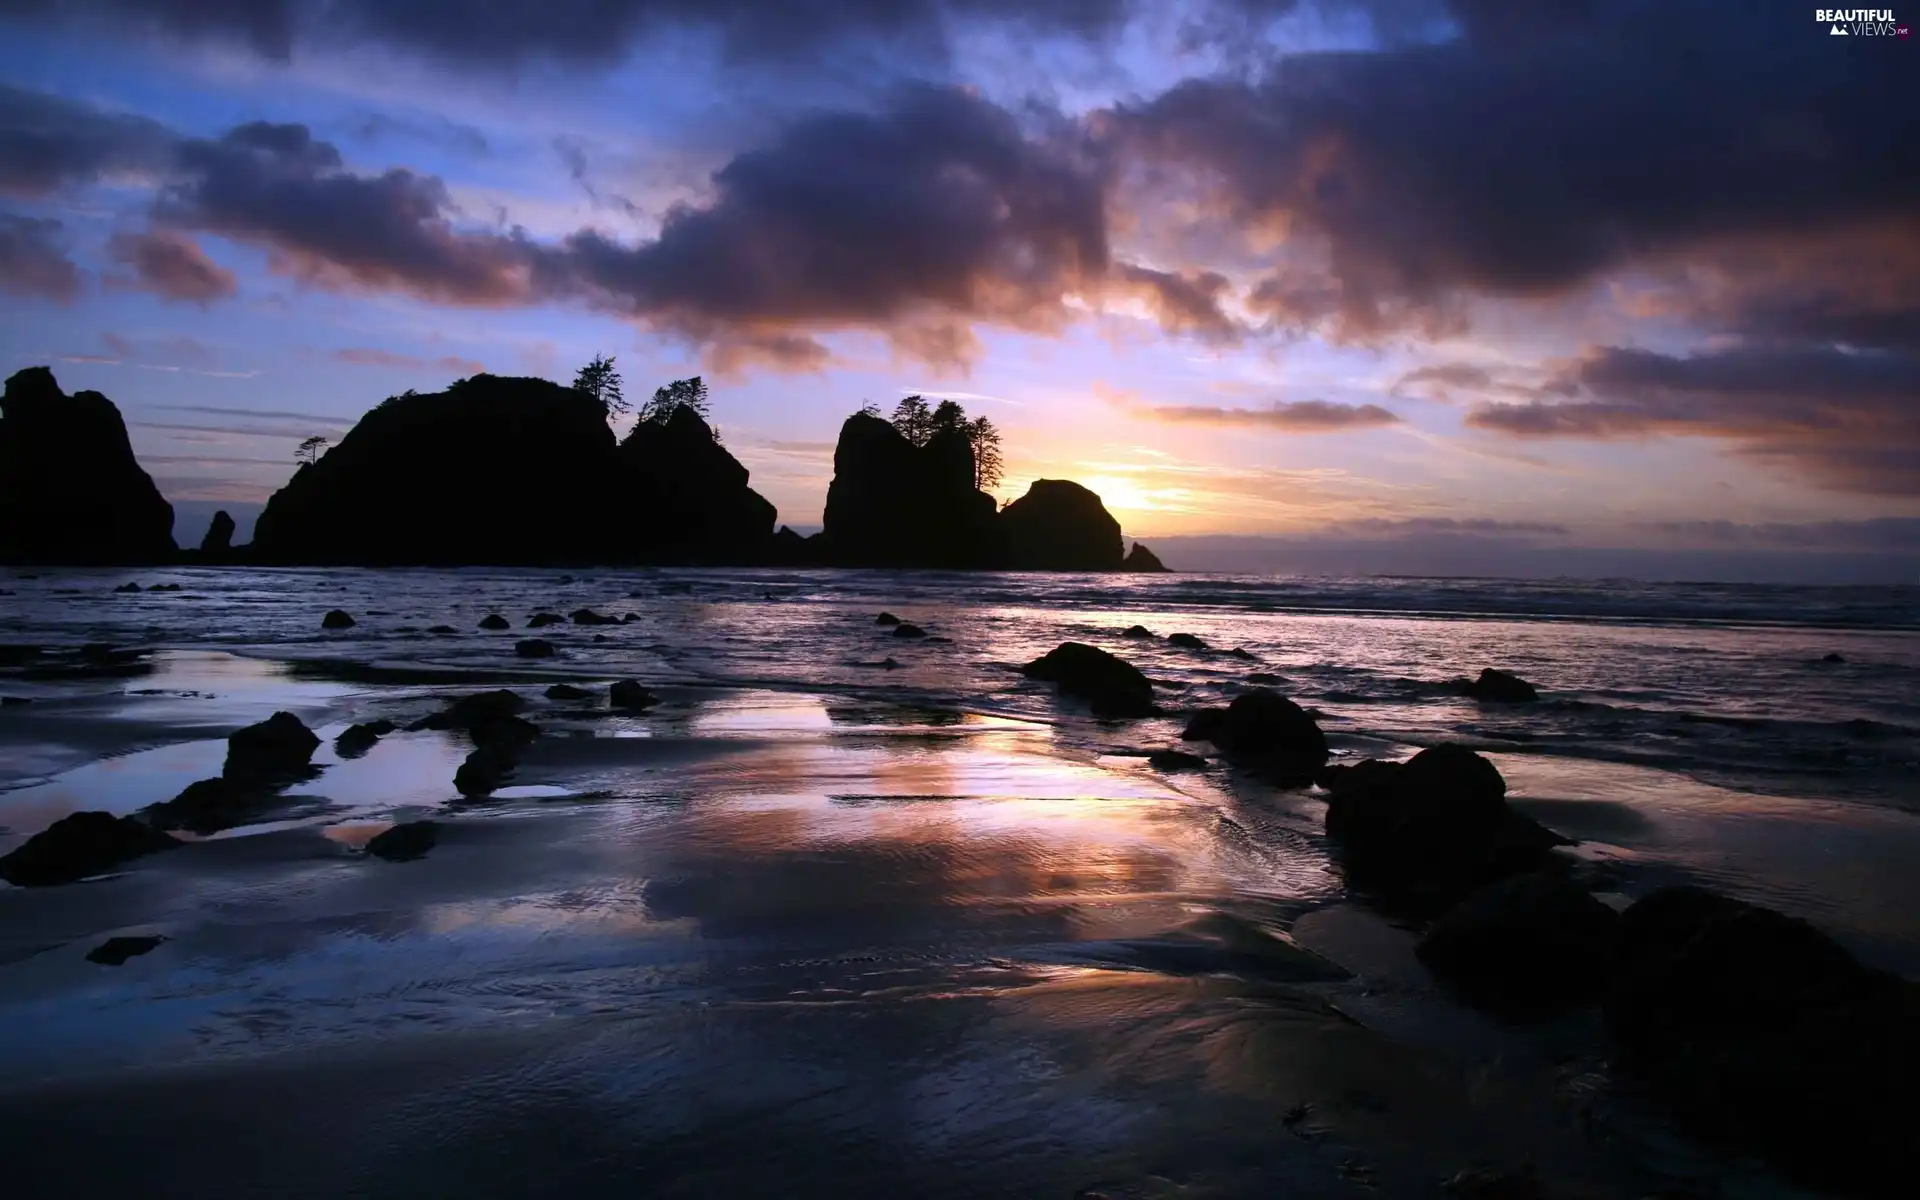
[(895, 504), (70, 489), (1060, 526), (689, 499)]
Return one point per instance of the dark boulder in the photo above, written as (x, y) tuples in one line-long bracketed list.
[(1142, 559), (1138, 631), (534, 648), (566, 691), (71, 491), (421, 479), (1243, 652), (488, 767), (1758, 1030), (1175, 760), (1112, 686), (586, 616), (405, 842), (541, 620), (1060, 526), (1527, 945), (1186, 641), (442, 630), (356, 740), (495, 621), (479, 708), (219, 538), (83, 844), (895, 504), (689, 496), (1833, 658), (907, 630), (337, 619), (1424, 833), (210, 805), (1500, 688), (1264, 731), (886, 618), (115, 951), (127, 588), (278, 748), (629, 694)]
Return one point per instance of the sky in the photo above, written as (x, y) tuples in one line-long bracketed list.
[(1385, 284)]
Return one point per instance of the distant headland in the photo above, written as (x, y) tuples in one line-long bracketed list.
[(505, 471)]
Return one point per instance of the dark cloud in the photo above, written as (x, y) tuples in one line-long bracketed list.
[(169, 265), (1535, 153), (508, 32), (1425, 526), (1893, 534), (1299, 416), (1849, 418), (278, 187), (1184, 301), (33, 260), (368, 357), (939, 204), (47, 143)]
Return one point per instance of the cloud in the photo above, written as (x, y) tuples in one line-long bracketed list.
[(1529, 156), (1447, 526), (170, 265), (506, 33), (935, 207), (371, 357), (47, 143), (1184, 301), (261, 413), (785, 352), (1846, 418), (1879, 534), (1297, 416), (33, 262), (278, 187)]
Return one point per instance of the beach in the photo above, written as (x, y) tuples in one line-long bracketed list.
[(817, 925)]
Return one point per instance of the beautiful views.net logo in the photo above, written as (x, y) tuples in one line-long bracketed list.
[(1860, 22)]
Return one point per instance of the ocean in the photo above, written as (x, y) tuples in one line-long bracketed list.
[(824, 925)]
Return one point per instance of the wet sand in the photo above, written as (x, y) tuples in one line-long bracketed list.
[(769, 943)]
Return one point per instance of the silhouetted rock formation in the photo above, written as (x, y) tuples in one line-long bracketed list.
[(443, 478), (789, 549), (83, 844), (534, 648), (70, 490), (689, 498), (115, 951), (358, 739), (262, 760), (1142, 559), (1524, 946), (1112, 686), (1500, 688), (631, 695), (895, 504), (1423, 833), (406, 842), (1757, 1028), (219, 539), (1265, 731), (1060, 526), (338, 619), (1186, 641)]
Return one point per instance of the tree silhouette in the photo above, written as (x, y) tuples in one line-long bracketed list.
[(920, 425), (599, 380), (309, 451), (987, 463), (914, 420), (681, 393)]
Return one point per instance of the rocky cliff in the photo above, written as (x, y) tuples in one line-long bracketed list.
[(691, 503), (70, 489), (895, 504), (1060, 526)]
